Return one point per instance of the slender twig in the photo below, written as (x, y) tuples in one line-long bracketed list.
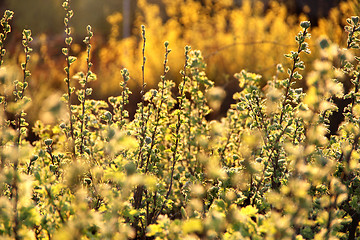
[(88, 73), (140, 161), (20, 123), (69, 59), (158, 109), (291, 78), (142, 93), (20, 87), (177, 130), (139, 189)]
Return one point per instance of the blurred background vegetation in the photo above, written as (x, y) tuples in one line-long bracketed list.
[(46, 16), (232, 35)]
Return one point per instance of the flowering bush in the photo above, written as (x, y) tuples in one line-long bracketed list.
[(267, 170)]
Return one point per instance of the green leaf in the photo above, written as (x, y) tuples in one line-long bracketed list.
[(355, 20), (71, 59), (26, 33), (64, 51), (68, 40)]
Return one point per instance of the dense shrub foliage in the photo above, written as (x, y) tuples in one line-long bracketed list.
[(268, 170)]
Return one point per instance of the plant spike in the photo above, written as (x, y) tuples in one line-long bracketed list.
[(69, 60), (142, 93), (8, 15), (85, 91)]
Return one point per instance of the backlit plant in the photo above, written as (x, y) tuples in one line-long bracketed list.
[(268, 170)]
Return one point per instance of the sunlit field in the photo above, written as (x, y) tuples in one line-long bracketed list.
[(179, 119)]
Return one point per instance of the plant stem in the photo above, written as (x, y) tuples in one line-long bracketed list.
[(291, 78), (142, 93), (88, 72), (177, 131), (68, 41), (158, 109)]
